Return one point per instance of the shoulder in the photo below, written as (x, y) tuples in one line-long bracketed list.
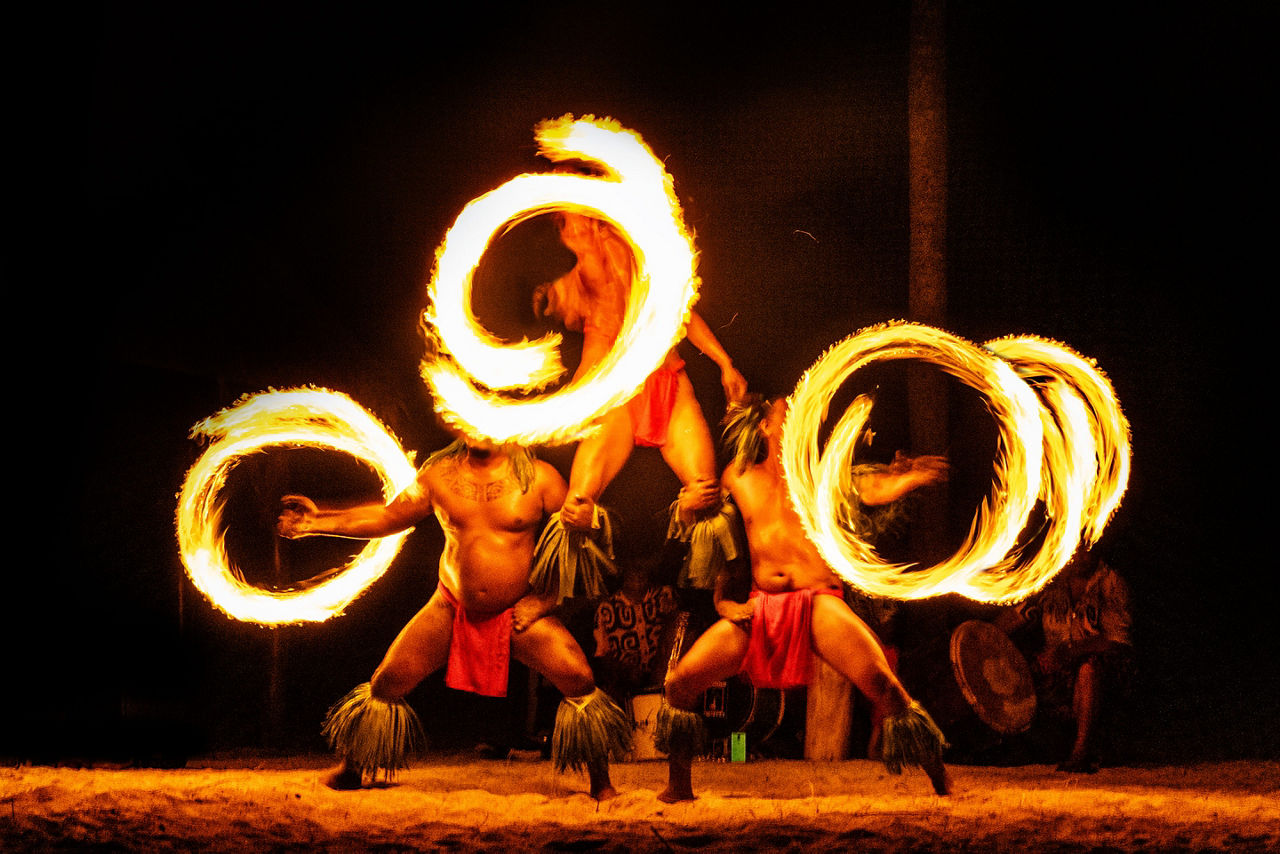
[(548, 483), (436, 469), (545, 474)]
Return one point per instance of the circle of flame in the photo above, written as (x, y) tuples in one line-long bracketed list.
[(294, 418), (466, 365), (1067, 446)]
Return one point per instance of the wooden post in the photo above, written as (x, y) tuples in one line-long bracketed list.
[(927, 263), (828, 714)]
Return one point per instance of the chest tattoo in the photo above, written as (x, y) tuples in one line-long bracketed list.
[(464, 487)]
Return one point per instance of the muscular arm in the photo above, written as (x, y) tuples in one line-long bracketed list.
[(551, 487), (533, 606), (903, 475), (735, 579), (701, 336), (301, 517)]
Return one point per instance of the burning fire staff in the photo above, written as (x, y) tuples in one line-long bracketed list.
[(795, 609), (491, 502), (591, 298)]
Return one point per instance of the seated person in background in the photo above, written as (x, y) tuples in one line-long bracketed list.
[(1086, 659), (632, 629)]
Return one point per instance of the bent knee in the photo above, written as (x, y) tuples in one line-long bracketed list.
[(571, 675), (390, 684), (577, 684), (679, 690)]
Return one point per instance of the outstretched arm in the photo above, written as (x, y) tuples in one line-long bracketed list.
[(301, 517), (701, 336), (901, 476)]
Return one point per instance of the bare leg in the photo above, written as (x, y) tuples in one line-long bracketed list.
[(600, 457), (421, 648), (547, 647), (689, 449), (716, 655), (845, 642), (1086, 704)]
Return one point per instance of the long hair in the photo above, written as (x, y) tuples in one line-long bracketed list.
[(742, 438)]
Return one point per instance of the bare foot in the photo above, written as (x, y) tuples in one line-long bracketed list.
[(938, 776), (671, 795), (679, 781), (601, 786), (875, 744), (529, 609), (344, 779)]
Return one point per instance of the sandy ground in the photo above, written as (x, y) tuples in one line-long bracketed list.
[(459, 803)]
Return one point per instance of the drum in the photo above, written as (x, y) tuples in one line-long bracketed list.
[(978, 689), (766, 715)]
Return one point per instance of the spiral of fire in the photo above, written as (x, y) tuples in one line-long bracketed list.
[(468, 367), (1062, 440), (291, 418)]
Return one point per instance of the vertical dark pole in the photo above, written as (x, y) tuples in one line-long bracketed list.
[(927, 273), (927, 266)]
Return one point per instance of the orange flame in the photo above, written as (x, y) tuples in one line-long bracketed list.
[(298, 417), (1069, 446), (468, 365)]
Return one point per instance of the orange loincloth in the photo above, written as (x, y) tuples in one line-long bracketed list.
[(780, 651), (479, 652)]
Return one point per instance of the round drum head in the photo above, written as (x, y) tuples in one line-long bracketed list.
[(994, 676)]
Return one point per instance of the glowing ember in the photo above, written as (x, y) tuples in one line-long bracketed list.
[(300, 417), (468, 366), (1069, 447)]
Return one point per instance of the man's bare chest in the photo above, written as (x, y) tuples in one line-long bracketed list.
[(466, 500)]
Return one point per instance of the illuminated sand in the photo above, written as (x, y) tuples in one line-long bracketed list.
[(458, 803)]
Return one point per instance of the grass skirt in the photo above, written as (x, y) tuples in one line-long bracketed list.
[(372, 735), (678, 731), (572, 563), (588, 731), (713, 542), (911, 738)]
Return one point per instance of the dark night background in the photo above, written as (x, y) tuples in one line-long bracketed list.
[(257, 195)]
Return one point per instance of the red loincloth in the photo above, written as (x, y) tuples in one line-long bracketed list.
[(480, 651), (780, 651), (651, 408)]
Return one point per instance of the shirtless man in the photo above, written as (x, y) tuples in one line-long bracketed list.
[(491, 502), (796, 608), (591, 299)]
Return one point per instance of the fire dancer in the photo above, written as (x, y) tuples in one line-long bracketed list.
[(591, 299), (491, 502), (1086, 660), (795, 608)]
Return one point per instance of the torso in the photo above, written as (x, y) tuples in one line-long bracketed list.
[(782, 557), (490, 529), (596, 290)]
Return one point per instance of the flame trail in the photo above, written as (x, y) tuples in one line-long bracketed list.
[(1069, 446), (1107, 424), (816, 480), (297, 417), (1070, 469), (468, 365)]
